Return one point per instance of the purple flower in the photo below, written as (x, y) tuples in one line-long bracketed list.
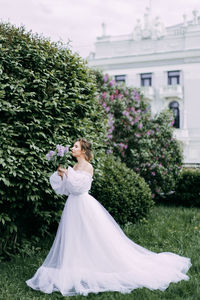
[(153, 173), (137, 135), (109, 151), (109, 136), (112, 97), (107, 109), (61, 150), (111, 83), (104, 95), (66, 149), (50, 154), (140, 126), (106, 78), (148, 132)]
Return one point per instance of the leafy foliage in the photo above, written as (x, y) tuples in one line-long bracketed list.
[(187, 190), (144, 143), (123, 192), (47, 97)]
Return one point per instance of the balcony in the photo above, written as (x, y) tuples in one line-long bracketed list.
[(171, 91), (148, 92)]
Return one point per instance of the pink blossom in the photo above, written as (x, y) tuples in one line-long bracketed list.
[(106, 78), (104, 95), (138, 135), (148, 132), (109, 151), (109, 136), (112, 97), (116, 92), (111, 83), (140, 126), (153, 173), (107, 109)]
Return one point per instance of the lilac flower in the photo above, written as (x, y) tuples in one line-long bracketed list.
[(107, 109), (109, 136), (140, 126), (137, 135), (66, 149), (106, 78), (109, 151), (112, 97), (148, 132), (153, 173), (104, 95), (111, 83), (61, 150), (50, 154)]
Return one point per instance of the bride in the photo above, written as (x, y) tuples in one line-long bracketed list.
[(90, 253)]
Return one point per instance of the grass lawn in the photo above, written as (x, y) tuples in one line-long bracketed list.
[(173, 229)]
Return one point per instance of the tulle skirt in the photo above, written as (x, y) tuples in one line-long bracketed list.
[(91, 254)]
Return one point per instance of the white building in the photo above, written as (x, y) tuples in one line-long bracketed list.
[(165, 63)]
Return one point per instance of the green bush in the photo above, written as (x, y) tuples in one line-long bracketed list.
[(47, 97), (122, 192), (145, 143), (187, 191)]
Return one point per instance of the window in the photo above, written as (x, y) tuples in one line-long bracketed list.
[(174, 106), (146, 79), (173, 77), (120, 78)]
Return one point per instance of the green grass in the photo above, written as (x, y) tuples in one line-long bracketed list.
[(174, 229)]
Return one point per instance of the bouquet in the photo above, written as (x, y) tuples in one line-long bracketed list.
[(59, 157)]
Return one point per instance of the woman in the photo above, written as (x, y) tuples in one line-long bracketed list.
[(90, 252)]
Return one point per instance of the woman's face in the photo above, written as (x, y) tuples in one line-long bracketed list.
[(76, 149)]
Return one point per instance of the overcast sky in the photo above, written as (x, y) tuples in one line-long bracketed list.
[(80, 20)]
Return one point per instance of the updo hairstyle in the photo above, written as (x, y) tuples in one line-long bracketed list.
[(86, 147)]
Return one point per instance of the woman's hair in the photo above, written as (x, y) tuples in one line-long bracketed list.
[(87, 147)]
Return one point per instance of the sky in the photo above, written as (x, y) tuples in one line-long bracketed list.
[(78, 22)]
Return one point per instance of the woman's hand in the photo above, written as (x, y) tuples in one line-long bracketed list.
[(61, 171)]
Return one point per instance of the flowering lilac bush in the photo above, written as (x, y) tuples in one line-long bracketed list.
[(144, 143)]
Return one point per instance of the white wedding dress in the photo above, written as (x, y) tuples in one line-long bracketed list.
[(91, 254)]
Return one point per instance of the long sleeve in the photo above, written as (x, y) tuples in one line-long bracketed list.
[(59, 185)]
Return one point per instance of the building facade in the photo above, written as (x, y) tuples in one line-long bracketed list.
[(165, 63)]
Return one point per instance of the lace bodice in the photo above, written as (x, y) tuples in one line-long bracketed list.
[(76, 182)]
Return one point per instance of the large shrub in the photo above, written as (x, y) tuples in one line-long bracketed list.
[(122, 192), (187, 190), (144, 143), (47, 97)]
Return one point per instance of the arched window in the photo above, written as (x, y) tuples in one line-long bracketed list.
[(174, 106)]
